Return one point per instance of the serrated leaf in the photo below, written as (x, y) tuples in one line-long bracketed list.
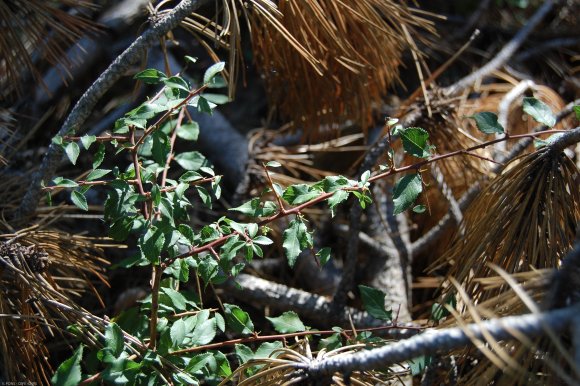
[(238, 320), (99, 156), (539, 111), (152, 243), (188, 131), (487, 123), (406, 191), (296, 238), (251, 208), (204, 332), (150, 76), (79, 200), (212, 71), (178, 300), (288, 322), (415, 142), (114, 340), (69, 372), (374, 302), (88, 140), (191, 160), (97, 173), (324, 255), (177, 332), (72, 151), (299, 194), (338, 197)]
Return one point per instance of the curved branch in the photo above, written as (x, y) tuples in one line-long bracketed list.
[(87, 102), (433, 342)]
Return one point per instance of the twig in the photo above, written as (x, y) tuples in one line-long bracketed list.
[(504, 55), (87, 102), (433, 342)]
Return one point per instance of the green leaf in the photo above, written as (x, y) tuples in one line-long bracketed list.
[(338, 197), (161, 146), (415, 141), (177, 332), (218, 99), (299, 194), (296, 238), (65, 182), (251, 208), (188, 131), (212, 71), (324, 255), (288, 322), (204, 332), (99, 156), (152, 243), (374, 302), (417, 365), (244, 353), (239, 321), (273, 164), (191, 160), (79, 200), (150, 76), (419, 208), (178, 300), (88, 140), (72, 151), (262, 240), (114, 340), (204, 195), (69, 371), (97, 173), (190, 59), (577, 112), (204, 106), (487, 123), (406, 191), (176, 82), (539, 111)]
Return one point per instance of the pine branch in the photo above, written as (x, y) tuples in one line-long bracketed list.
[(433, 342), (87, 102)]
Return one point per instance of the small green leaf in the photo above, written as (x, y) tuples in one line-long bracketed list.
[(338, 197), (177, 332), (204, 106), (577, 112), (288, 322), (114, 340), (204, 332), (273, 164), (176, 82), (324, 255), (218, 99), (487, 123), (79, 200), (99, 156), (72, 151), (374, 302), (150, 76), (406, 191), (419, 208), (188, 131), (296, 238), (204, 195), (178, 300), (212, 71), (251, 208), (69, 372), (97, 173), (262, 240), (192, 160), (190, 59), (539, 111), (299, 194), (88, 140), (152, 243), (65, 182), (418, 365), (239, 321), (57, 140), (415, 141)]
